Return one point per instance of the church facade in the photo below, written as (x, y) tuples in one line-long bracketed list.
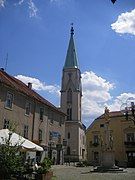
[(40, 121), (71, 95)]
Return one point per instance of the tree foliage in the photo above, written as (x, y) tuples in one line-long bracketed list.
[(10, 159)]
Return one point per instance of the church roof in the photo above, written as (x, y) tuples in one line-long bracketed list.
[(71, 58)]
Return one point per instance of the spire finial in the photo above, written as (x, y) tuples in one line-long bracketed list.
[(72, 29)]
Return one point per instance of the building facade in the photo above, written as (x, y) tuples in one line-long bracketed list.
[(71, 94), (122, 139), (33, 117)]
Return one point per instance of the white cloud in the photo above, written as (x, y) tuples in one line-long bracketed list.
[(32, 9), (29, 3), (20, 2), (125, 23), (38, 85), (2, 3), (95, 95), (119, 100)]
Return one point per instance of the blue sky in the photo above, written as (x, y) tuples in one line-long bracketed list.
[(35, 34)]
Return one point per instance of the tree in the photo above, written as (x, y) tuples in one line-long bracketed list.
[(10, 159)]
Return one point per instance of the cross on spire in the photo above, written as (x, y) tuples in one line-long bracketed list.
[(72, 29)]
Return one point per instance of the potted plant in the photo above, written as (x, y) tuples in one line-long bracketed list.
[(43, 171)]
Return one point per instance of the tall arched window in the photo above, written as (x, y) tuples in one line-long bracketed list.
[(69, 114), (68, 135), (68, 150), (69, 96)]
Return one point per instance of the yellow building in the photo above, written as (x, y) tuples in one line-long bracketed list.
[(121, 139)]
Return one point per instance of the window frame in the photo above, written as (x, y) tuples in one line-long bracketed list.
[(60, 121), (68, 150), (6, 123), (68, 135), (130, 137), (40, 135), (69, 96), (27, 108), (96, 139), (41, 113), (9, 101), (69, 113), (26, 131)]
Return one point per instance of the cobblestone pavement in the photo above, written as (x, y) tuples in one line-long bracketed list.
[(63, 172)]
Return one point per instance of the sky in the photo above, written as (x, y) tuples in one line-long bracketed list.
[(34, 37)]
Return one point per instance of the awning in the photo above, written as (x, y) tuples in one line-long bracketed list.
[(17, 140)]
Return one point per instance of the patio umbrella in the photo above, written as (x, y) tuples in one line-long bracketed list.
[(17, 140)]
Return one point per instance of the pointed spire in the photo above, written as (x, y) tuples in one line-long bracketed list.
[(71, 58)]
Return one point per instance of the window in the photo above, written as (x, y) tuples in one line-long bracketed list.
[(25, 131), (95, 139), (6, 124), (68, 135), (68, 150), (9, 100), (27, 112), (40, 135), (130, 137), (50, 135), (59, 139), (60, 121), (69, 96), (46, 111), (69, 114), (101, 125), (41, 113), (51, 116), (96, 156)]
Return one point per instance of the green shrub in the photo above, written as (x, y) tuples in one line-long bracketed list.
[(45, 166), (10, 160)]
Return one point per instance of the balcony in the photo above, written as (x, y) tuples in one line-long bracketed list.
[(129, 144)]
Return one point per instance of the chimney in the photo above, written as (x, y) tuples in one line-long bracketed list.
[(29, 85)]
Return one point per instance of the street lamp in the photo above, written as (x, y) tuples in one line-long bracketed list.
[(128, 109)]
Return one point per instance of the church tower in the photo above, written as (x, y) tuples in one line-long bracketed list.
[(71, 94)]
